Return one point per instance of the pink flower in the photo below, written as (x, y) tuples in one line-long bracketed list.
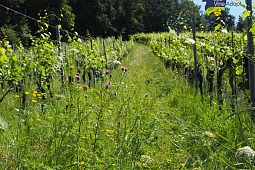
[(124, 69), (106, 71), (107, 85), (61, 96), (78, 77)]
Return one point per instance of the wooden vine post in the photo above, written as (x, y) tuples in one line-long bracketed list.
[(250, 54), (195, 50), (62, 73)]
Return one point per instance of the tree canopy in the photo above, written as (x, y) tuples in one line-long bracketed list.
[(98, 17)]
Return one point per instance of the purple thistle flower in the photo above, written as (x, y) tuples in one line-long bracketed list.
[(106, 71), (123, 68), (107, 85), (78, 77)]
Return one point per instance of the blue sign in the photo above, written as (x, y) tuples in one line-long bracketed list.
[(214, 5)]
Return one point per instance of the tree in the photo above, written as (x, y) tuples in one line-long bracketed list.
[(56, 12), (14, 27), (240, 24)]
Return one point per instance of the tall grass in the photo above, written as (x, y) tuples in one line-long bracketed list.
[(141, 116)]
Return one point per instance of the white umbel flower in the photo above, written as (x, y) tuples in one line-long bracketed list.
[(245, 154), (3, 125), (146, 159)]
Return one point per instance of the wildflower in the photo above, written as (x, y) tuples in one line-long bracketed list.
[(182, 165), (62, 96), (78, 77), (34, 101), (80, 86), (245, 154), (106, 71), (17, 96), (114, 164), (49, 117), (109, 131), (168, 160), (124, 69), (107, 85), (26, 93), (39, 95), (34, 94), (116, 62), (146, 159), (3, 124)]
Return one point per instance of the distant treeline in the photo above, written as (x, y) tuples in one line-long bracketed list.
[(101, 17)]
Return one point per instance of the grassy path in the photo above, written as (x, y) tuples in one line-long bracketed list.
[(158, 99), (174, 130)]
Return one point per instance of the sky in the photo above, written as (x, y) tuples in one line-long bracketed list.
[(234, 10)]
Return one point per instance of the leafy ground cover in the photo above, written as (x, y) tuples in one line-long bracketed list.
[(139, 116)]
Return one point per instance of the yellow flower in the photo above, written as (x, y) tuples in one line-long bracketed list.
[(26, 92), (168, 160), (17, 96), (38, 95), (34, 94), (109, 131), (182, 165), (34, 101), (114, 164)]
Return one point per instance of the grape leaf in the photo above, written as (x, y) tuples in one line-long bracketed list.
[(246, 13), (253, 29)]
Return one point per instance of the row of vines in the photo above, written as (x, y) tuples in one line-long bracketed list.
[(45, 62), (47, 92), (221, 67)]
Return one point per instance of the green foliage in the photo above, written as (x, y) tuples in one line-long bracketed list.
[(9, 34), (223, 19), (147, 117)]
